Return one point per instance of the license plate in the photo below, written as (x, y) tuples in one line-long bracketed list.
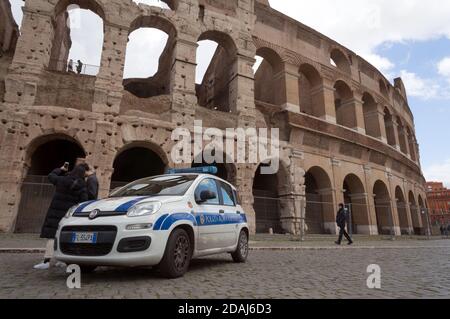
[(84, 238)]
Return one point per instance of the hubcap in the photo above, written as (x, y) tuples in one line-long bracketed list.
[(181, 252), (243, 245)]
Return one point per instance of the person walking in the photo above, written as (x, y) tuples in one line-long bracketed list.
[(79, 66), (342, 219), (70, 190)]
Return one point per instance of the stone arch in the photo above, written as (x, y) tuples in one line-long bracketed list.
[(226, 167), (390, 127), (319, 216), (370, 110), (272, 209), (340, 60), (62, 42), (415, 213), (216, 88), (138, 160), (383, 208), (158, 83), (402, 211), (43, 155), (355, 197), (269, 78), (310, 83), (344, 104)]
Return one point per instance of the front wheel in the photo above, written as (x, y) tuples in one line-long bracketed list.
[(177, 256), (241, 253)]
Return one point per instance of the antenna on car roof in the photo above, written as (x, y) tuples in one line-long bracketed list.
[(195, 170)]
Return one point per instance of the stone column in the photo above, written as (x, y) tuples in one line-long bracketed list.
[(374, 123), (109, 82), (287, 95), (397, 138), (323, 102), (31, 57), (393, 203), (183, 83), (329, 209), (244, 185)]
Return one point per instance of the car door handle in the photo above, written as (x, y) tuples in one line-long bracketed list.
[(221, 211)]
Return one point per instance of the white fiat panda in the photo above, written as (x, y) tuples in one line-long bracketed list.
[(162, 221)]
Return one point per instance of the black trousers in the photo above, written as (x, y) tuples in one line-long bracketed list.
[(343, 232)]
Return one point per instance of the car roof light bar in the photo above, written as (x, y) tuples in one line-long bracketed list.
[(195, 170)]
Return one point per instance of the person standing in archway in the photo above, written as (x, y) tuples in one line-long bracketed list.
[(70, 190), (342, 220)]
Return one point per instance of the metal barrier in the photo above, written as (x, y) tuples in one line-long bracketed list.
[(74, 67)]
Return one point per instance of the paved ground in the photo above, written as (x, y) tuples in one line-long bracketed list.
[(316, 273)]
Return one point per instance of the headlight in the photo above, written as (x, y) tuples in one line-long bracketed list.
[(144, 209), (71, 211)]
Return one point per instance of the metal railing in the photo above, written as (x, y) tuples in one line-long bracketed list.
[(74, 67)]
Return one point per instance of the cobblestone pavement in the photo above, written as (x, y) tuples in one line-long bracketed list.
[(406, 273)]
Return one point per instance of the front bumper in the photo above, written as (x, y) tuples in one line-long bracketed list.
[(116, 246)]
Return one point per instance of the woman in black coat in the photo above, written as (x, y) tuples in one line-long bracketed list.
[(70, 190)]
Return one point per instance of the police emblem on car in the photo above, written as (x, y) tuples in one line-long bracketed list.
[(163, 221), (94, 214)]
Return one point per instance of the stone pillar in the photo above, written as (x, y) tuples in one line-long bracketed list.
[(397, 138), (242, 92), (244, 185), (183, 83), (31, 57), (109, 82), (393, 203), (329, 209), (374, 123), (356, 107), (323, 102), (288, 96)]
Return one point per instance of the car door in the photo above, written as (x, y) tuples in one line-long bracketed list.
[(229, 214), (210, 230)]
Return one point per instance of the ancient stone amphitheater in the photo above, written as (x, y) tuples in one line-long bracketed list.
[(347, 134)]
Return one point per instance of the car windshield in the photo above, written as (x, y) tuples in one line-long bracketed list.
[(157, 186)]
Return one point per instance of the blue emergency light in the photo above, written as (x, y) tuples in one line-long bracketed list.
[(195, 170)]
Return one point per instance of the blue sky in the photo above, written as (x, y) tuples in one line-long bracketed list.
[(407, 38)]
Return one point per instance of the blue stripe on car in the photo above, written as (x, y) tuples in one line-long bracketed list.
[(169, 221), (84, 205), (126, 206), (159, 222)]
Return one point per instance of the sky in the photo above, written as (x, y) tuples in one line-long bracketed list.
[(407, 38)]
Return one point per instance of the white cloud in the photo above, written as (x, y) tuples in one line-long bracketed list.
[(420, 87), (439, 172), (444, 68)]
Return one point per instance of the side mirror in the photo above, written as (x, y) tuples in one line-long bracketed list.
[(206, 195)]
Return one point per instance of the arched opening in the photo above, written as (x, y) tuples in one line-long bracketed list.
[(344, 105), (148, 61), (226, 169), (402, 211), (216, 72), (415, 213), (269, 205), (370, 109), (164, 4), (309, 87), (401, 135), (43, 156), (268, 77), (319, 217), (340, 61), (412, 144), (355, 197), (72, 51), (390, 129), (136, 162), (383, 208)]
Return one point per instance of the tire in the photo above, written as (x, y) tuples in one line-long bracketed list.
[(87, 269), (241, 253), (177, 255)]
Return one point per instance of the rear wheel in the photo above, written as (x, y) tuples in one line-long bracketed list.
[(177, 256), (241, 253)]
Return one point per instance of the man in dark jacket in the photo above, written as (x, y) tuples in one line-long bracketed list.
[(342, 219), (92, 185), (70, 190)]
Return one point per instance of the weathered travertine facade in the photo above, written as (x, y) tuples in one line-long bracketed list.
[(346, 132)]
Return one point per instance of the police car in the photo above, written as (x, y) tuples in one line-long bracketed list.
[(162, 221)]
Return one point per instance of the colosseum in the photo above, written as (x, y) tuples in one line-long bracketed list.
[(347, 134)]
